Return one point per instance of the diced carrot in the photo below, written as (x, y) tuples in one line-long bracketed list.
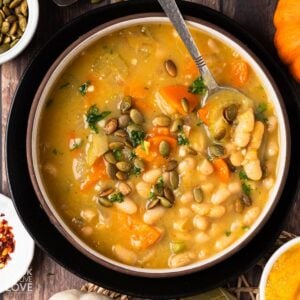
[(98, 172), (221, 169), (203, 115), (143, 235), (175, 93), (136, 90), (159, 131), (142, 104), (239, 73)]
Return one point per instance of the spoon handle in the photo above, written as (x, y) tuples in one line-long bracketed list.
[(172, 11)]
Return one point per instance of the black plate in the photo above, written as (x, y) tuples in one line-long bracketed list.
[(52, 242)]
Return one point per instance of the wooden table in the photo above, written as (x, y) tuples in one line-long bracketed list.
[(255, 15)]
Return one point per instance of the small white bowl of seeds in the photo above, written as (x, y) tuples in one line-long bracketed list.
[(18, 23)]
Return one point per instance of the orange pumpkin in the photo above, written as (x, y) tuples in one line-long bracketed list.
[(287, 35)]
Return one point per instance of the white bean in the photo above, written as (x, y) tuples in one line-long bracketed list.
[(257, 135), (187, 164), (151, 176), (236, 225), (207, 187), (205, 167), (182, 151), (200, 222), (223, 242), (125, 255), (253, 169), (201, 209), (127, 206), (151, 216), (272, 148), (184, 212), (88, 214), (220, 195), (217, 211), (251, 215), (187, 198), (234, 187), (236, 158), (268, 183), (244, 128), (202, 254), (181, 259), (143, 189), (202, 237), (183, 225)]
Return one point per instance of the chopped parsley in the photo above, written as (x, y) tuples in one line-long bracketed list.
[(182, 139), (158, 188), (246, 188), (260, 112), (83, 88), (198, 86), (132, 155), (56, 152), (245, 228), (117, 197), (227, 233), (242, 175), (117, 154), (137, 137), (136, 171), (93, 116)]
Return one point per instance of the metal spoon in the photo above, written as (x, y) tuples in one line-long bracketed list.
[(63, 3), (213, 89)]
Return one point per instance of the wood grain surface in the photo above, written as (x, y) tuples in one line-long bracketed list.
[(49, 277)]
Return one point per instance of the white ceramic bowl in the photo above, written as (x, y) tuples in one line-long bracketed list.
[(33, 17), (58, 68), (270, 264), (24, 247)]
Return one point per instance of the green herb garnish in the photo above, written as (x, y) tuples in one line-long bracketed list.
[(117, 154), (93, 116), (242, 175), (245, 228), (198, 86), (83, 88), (182, 139), (137, 137), (136, 171), (246, 188), (227, 233), (117, 197), (260, 112), (132, 155)]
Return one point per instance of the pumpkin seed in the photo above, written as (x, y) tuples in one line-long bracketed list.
[(111, 170), (230, 113), (1, 3), (1, 20), (162, 121), (185, 105), (138, 163), (220, 133), (165, 202), (104, 202), (136, 116), (2, 14), (174, 180), (18, 10), (110, 158), (106, 192), (246, 200), (4, 48), (15, 3), (11, 19), (170, 166), (169, 194), (191, 151), (116, 145), (5, 27), (22, 22), (134, 127), (1, 37), (151, 203), (177, 247), (170, 67), (216, 150), (125, 104), (164, 148), (121, 133), (121, 175), (176, 125), (24, 8), (198, 195), (6, 11), (111, 126), (13, 29), (7, 40), (124, 188), (238, 206), (123, 121), (6, 2), (123, 166)]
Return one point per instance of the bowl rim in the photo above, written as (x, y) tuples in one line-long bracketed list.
[(70, 236), (33, 17), (272, 260)]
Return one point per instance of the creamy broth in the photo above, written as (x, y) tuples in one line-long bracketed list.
[(133, 165)]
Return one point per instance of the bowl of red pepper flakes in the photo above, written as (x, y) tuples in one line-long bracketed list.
[(7, 241)]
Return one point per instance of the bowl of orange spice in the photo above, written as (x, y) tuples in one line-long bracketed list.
[(281, 276)]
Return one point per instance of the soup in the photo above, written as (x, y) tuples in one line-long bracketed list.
[(137, 168)]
